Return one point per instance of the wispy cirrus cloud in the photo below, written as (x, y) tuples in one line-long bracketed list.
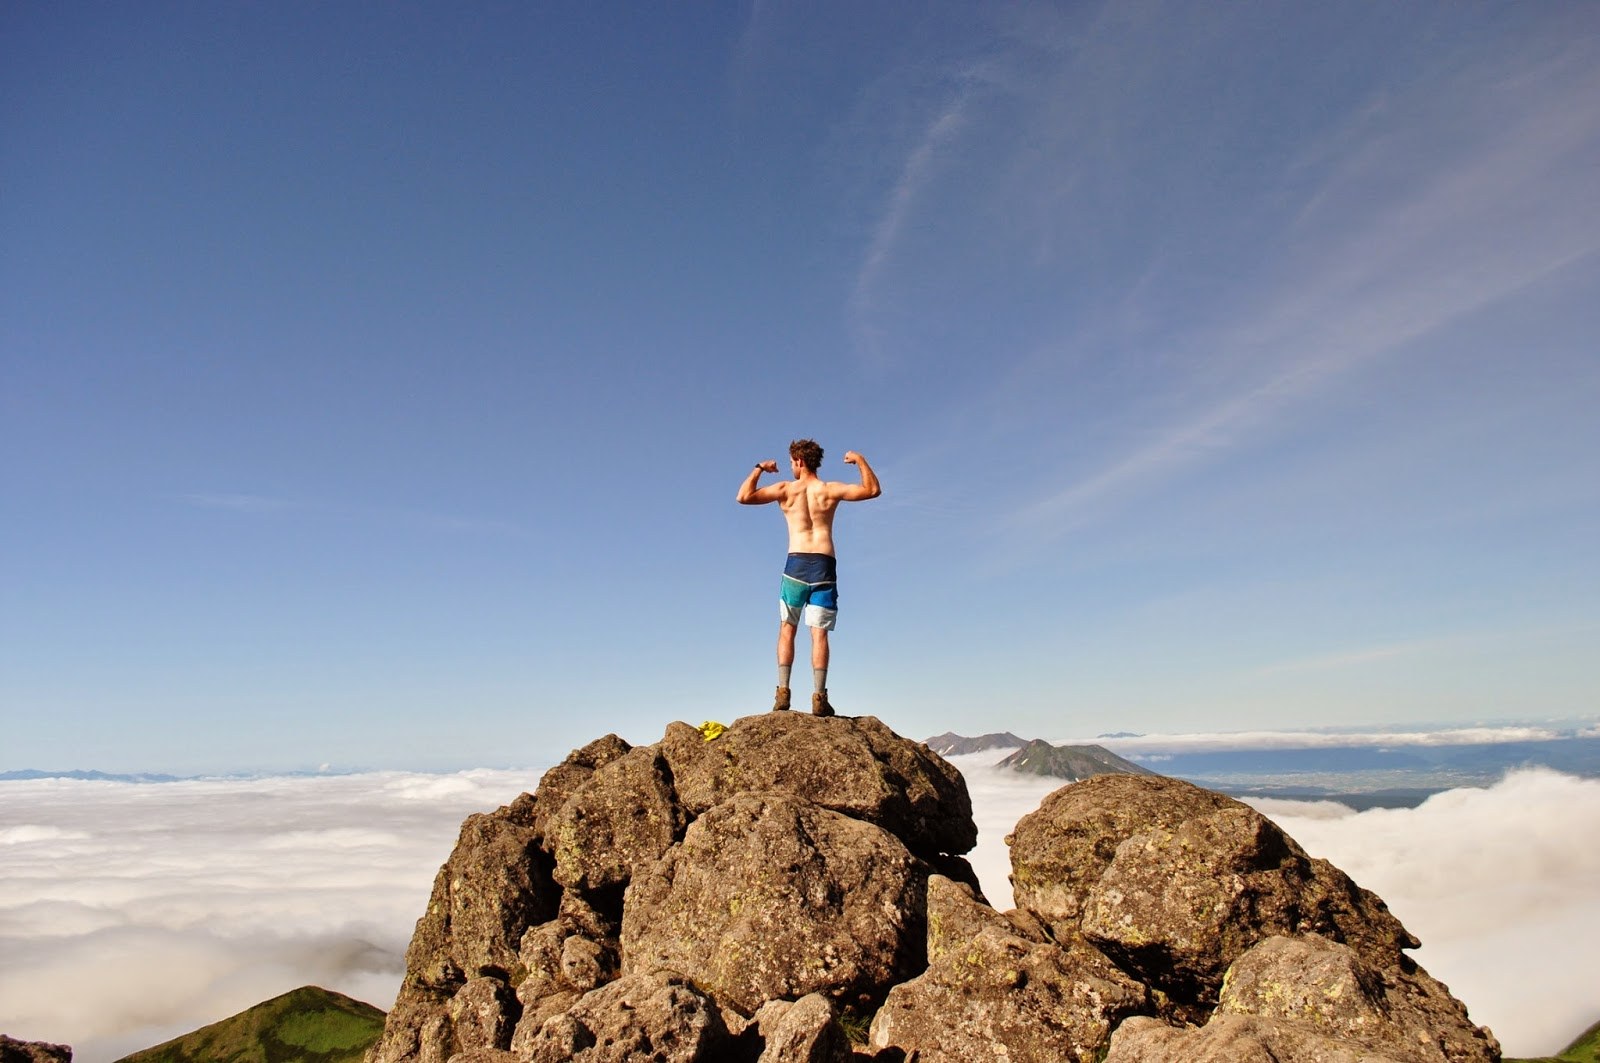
[(918, 168), (1435, 207)]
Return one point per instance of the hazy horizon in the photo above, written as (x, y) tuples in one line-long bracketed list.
[(1143, 747)]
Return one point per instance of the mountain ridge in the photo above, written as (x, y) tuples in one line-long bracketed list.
[(1072, 763)]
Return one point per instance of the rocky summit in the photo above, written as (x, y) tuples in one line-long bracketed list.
[(793, 890)]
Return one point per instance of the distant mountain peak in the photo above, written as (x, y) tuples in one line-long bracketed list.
[(951, 744), (1073, 763), (79, 775), (308, 1025)]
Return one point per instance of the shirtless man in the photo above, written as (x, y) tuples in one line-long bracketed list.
[(809, 589)]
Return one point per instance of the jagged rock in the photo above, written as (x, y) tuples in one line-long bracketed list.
[(417, 1030), (1235, 1039), (660, 1017), (494, 885), (996, 987), (484, 1055), (739, 899), (1060, 850), (806, 1031), (559, 782), (856, 766), (625, 814), (563, 955), (14, 1051), (1193, 880), (483, 1014), (536, 1013), (1405, 1014), (770, 897)]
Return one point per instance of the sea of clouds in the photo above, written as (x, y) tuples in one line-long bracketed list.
[(130, 913), (1151, 746)]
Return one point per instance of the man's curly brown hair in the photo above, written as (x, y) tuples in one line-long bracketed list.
[(807, 453)]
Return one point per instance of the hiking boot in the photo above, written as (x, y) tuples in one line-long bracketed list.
[(780, 701), (819, 704)]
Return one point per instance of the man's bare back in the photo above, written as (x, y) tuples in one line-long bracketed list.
[(808, 593), (809, 502)]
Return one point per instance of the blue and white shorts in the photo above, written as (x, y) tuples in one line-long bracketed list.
[(809, 592)]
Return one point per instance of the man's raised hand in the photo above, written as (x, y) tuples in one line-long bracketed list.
[(768, 466), (851, 457)]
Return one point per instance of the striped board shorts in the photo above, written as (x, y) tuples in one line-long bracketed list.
[(809, 592)]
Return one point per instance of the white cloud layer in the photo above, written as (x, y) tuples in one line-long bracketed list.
[(130, 913), (133, 912), (1257, 740), (1501, 884)]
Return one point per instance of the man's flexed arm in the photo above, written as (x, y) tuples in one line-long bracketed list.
[(751, 495), (867, 488)]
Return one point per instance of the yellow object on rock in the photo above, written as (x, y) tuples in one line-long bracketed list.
[(711, 729)]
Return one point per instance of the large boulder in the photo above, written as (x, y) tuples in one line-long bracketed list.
[(561, 781), (1174, 883), (496, 883), (658, 1016), (855, 766), (805, 1031), (998, 988), (1235, 1039), (623, 816), (771, 897), (483, 1014), (563, 959), (1401, 1011)]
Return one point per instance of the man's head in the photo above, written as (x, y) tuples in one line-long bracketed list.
[(807, 453)]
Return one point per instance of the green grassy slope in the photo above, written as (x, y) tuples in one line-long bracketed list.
[(1586, 1049), (305, 1025)]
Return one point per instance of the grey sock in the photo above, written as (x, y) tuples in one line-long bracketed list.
[(783, 674), (819, 678)]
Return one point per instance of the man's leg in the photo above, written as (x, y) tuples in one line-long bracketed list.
[(786, 631), (819, 672)]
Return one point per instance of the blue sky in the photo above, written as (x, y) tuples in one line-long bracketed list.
[(377, 378)]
